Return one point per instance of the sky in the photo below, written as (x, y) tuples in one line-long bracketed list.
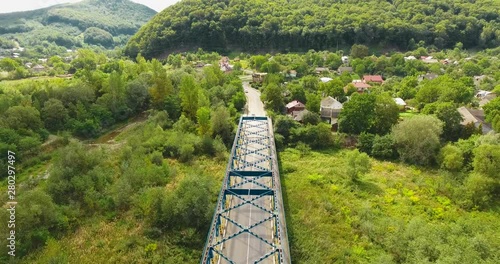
[(7, 6)]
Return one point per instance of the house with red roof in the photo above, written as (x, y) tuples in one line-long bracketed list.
[(373, 79), (295, 106)]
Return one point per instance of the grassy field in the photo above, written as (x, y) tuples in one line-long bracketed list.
[(121, 239), (396, 214)]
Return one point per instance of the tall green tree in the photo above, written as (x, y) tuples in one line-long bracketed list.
[(417, 139), (357, 114), (189, 93)]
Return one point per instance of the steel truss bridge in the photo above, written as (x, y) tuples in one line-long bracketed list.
[(249, 221)]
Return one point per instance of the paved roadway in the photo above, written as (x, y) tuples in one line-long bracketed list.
[(254, 104), (246, 248)]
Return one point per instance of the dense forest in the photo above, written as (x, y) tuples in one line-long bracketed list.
[(297, 25), (101, 23), (178, 124)]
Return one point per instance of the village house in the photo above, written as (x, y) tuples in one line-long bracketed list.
[(320, 70), (428, 59), (373, 79), (427, 76), (199, 64), (299, 115), (258, 77), (360, 86), (345, 60), (294, 106), (224, 65), (330, 109), (38, 68), (401, 103), (341, 70), (474, 116), (325, 79), (485, 97), (409, 58), (291, 74)]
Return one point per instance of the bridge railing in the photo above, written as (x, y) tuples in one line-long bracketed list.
[(216, 237)]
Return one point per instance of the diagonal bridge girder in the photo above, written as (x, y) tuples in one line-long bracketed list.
[(252, 179)]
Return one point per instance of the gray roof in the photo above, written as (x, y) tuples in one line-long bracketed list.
[(330, 102)]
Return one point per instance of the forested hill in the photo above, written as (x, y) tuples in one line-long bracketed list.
[(294, 25), (107, 23)]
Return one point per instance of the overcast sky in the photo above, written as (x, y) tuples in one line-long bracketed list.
[(7, 6)]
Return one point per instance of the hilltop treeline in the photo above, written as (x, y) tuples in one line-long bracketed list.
[(63, 25), (294, 25)]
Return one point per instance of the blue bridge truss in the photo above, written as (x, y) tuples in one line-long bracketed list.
[(249, 221)]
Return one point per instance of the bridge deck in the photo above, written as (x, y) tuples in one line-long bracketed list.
[(249, 221)]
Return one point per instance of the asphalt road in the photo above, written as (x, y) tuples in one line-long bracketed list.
[(254, 104)]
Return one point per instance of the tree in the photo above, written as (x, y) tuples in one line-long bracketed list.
[(283, 125), (37, 218), (357, 114), (313, 103), (448, 113), (273, 97), (222, 125), (383, 147), (492, 113), (471, 69), (23, 117), (487, 161), (203, 118), (451, 158), (311, 118), (359, 51), (54, 115), (136, 94), (162, 85), (358, 164), (189, 93), (77, 178), (386, 113), (417, 139)]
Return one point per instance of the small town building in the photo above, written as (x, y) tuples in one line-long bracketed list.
[(409, 58), (474, 116), (427, 76), (320, 70), (428, 59), (224, 65), (345, 60), (401, 103), (38, 68), (258, 77), (294, 106), (325, 79), (341, 70), (373, 79), (299, 115)]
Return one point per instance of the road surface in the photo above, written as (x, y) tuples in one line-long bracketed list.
[(254, 104)]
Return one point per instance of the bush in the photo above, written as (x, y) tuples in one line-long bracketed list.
[(358, 164), (365, 142), (383, 147), (451, 158), (477, 191)]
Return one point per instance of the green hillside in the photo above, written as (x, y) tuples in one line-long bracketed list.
[(92, 22), (298, 25)]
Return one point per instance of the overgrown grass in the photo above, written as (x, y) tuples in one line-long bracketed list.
[(395, 214), (122, 239)]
